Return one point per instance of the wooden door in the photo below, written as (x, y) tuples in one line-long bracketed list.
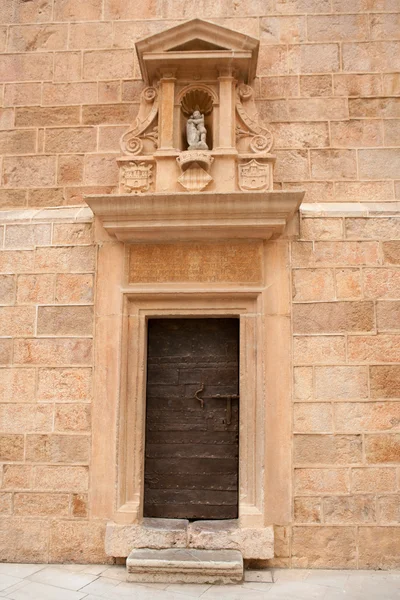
[(192, 439)]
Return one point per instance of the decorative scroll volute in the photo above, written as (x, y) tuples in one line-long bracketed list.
[(251, 136), (145, 126)]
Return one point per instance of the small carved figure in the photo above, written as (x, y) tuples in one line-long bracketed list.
[(196, 132)]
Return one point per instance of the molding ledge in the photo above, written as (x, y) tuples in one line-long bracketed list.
[(189, 217)]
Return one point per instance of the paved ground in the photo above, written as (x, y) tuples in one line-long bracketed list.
[(99, 582)]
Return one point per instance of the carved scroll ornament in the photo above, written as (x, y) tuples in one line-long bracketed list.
[(261, 138), (132, 140)]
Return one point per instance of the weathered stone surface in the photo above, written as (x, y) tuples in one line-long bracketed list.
[(214, 535), (373, 480), (307, 510), (65, 258), (29, 171), (65, 385), (375, 348), (327, 449), (382, 283), (379, 548), (17, 385), (72, 233), (29, 540), (16, 477), (35, 289), (333, 164), (58, 448), (315, 547), (334, 317), (72, 417), (312, 417), (152, 533), (314, 86), (321, 481), (61, 478), (389, 509), (319, 349), (348, 284), (369, 228), (382, 447), (371, 416), (313, 284), (385, 381), (335, 383), (41, 505), (53, 352), (321, 229), (77, 541), (335, 254), (349, 509), (11, 447), (23, 418), (74, 288), (179, 565), (303, 383), (65, 320)]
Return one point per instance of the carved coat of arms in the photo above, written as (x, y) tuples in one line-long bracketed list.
[(137, 177), (254, 176)]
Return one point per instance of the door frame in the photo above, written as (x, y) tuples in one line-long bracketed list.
[(133, 403)]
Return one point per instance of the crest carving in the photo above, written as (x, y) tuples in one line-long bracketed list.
[(137, 177), (254, 176)]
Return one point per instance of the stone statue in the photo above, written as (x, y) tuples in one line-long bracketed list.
[(196, 132)]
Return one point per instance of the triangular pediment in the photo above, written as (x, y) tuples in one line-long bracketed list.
[(195, 37)]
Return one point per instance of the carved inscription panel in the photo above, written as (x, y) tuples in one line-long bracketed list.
[(196, 262)]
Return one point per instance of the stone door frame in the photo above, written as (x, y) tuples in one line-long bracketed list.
[(117, 465)]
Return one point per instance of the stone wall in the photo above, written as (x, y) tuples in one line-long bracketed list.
[(328, 83)]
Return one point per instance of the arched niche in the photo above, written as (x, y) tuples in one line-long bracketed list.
[(204, 99)]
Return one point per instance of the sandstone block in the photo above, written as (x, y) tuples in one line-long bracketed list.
[(25, 13), (58, 448), (391, 84), (272, 60), (61, 478), (29, 540), (17, 320), (21, 94), (152, 533), (19, 141), (391, 252), (317, 109), (214, 535), (388, 316), (321, 229), (90, 35), (72, 233), (313, 284), (37, 116), (283, 30), (35, 289), (27, 236), (7, 289), (65, 258), (375, 191), (385, 381), (67, 66), (41, 505), (357, 84), (371, 56), (382, 108), (29, 171), (26, 67), (65, 385), (314, 58), (179, 565), (72, 417), (392, 130), (303, 383), (23, 418), (28, 38), (65, 320), (333, 164), (376, 348), (312, 418), (307, 510), (327, 449), (70, 169), (373, 480), (332, 28), (334, 383), (109, 137), (319, 349), (382, 283), (315, 190), (73, 10), (382, 447), (46, 197), (385, 26), (302, 6), (71, 139), (69, 93), (74, 288), (333, 317), (109, 91), (348, 284), (108, 64), (16, 261), (379, 163), (13, 198), (270, 87), (329, 547), (17, 477), (11, 447), (349, 509), (6, 118), (301, 135), (335, 254), (369, 416), (79, 505), (17, 385), (5, 503), (6, 351), (100, 169), (315, 85), (108, 114), (388, 509), (321, 481), (53, 352), (77, 541), (291, 165), (379, 547)]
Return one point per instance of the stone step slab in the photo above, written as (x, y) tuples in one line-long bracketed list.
[(181, 565)]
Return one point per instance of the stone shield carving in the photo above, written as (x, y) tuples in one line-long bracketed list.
[(254, 176), (137, 177)]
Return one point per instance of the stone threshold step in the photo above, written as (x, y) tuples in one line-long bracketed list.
[(182, 565)]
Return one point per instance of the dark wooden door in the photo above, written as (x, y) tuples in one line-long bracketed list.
[(192, 445)]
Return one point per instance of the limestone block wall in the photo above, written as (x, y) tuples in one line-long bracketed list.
[(47, 267)]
